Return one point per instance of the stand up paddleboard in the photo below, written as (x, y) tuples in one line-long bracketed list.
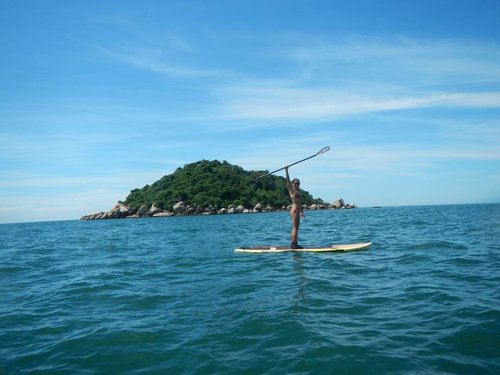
[(321, 249)]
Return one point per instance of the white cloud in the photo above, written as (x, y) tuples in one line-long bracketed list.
[(160, 61), (407, 59), (279, 103)]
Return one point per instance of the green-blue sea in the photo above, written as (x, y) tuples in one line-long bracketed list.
[(170, 295)]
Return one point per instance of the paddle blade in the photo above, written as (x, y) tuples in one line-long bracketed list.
[(323, 150)]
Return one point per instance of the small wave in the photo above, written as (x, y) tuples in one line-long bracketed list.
[(437, 245)]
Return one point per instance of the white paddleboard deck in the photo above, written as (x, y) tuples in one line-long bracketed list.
[(321, 249)]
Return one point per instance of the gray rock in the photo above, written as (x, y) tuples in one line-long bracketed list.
[(339, 203), (142, 210), (153, 210), (179, 208)]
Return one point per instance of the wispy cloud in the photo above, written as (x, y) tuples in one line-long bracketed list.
[(153, 61), (323, 104), (423, 61), (167, 54)]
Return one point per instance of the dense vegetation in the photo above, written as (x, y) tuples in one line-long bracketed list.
[(214, 183)]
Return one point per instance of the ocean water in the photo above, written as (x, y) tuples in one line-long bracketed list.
[(170, 296)]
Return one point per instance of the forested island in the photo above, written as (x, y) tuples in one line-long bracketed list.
[(210, 187)]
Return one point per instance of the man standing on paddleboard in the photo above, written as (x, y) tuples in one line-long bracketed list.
[(296, 211)]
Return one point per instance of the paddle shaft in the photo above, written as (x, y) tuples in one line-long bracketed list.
[(324, 149)]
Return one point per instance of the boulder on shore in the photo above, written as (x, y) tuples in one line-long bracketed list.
[(117, 212), (153, 210), (142, 210), (339, 203), (179, 208)]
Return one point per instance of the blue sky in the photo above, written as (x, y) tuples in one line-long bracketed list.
[(100, 97)]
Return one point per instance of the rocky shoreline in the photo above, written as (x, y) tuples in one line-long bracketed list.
[(121, 211)]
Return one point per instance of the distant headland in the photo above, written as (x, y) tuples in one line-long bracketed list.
[(209, 188)]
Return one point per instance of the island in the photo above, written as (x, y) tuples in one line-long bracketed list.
[(207, 188)]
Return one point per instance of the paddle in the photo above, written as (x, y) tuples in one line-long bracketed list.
[(323, 150)]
